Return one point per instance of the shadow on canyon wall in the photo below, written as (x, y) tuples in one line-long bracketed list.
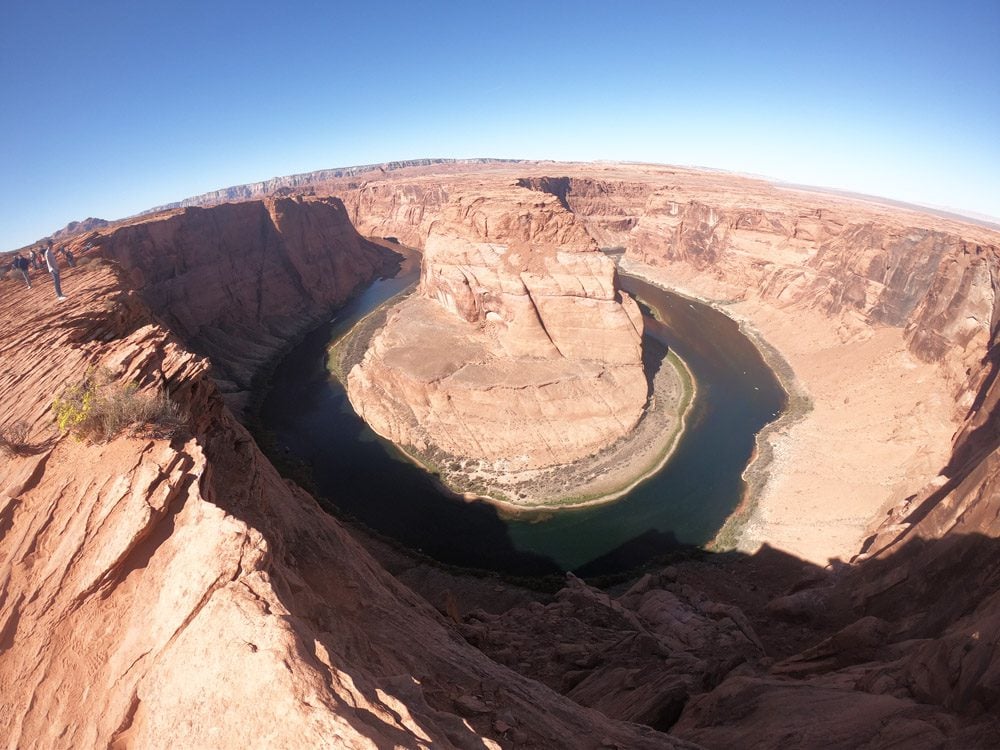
[(646, 653), (977, 443), (648, 650)]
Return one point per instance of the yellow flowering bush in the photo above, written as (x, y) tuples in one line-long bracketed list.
[(98, 408)]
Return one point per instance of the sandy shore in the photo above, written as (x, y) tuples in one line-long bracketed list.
[(878, 430)]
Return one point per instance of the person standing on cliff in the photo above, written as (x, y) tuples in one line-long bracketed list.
[(21, 264), (53, 264)]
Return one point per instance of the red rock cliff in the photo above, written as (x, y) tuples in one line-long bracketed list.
[(179, 593), (151, 592), (932, 573), (238, 281)]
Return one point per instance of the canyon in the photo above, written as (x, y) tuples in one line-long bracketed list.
[(177, 591)]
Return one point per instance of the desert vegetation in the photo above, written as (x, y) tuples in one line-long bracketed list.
[(14, 439), (98, 408)]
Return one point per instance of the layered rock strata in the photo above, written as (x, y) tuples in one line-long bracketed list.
[(161, 594), (518, 352), (177, 592), (884, 312), (239, 281)]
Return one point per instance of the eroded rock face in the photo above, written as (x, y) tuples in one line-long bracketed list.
[(160, 594), (885, 270), (518, 349), (238, 281), (637, 657), (179, 593), (915, 662)]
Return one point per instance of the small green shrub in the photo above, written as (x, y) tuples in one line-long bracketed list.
[(99, 408)]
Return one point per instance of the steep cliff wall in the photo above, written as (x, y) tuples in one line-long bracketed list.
[(238, 281), (933, 277), (936, 283), (401, 211), (863, 268), (929, 574), (794, 265), (923, 603), (177, 592)]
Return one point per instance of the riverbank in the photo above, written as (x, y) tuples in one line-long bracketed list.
[(867, 425), (596, 479)]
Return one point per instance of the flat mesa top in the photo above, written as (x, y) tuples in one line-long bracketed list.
[(684, 184)]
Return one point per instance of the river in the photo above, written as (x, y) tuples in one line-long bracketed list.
[(364, 478)]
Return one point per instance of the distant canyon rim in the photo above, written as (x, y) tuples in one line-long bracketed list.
[(177, 591)]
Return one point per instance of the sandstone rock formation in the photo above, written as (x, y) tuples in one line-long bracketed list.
[(177, 592), (239, 281), (791, 260), (518, 351), (913, 290), (164, 593)]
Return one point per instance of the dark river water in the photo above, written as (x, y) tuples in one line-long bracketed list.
[(310, 419)]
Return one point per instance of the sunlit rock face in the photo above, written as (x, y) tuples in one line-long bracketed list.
[(162, 592), (517, 350)]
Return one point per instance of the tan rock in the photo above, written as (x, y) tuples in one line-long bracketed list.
[(158, 593), (164, 594), (239, 281), (520, 354)]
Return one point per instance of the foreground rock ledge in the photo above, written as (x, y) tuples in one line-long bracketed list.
[(182, 594), (162, 594), (514, 356)]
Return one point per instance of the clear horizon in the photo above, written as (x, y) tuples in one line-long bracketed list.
[(113, 109)]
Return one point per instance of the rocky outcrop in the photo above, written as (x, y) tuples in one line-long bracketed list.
[(159, 592), (937, 284), (911, 642), (403, 212), (932, 275), (861, 266), (79, 227), (239, 281), (177, 592), (694, 649), (518, 351), (637, 657)]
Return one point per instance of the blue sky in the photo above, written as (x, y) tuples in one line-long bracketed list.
[(109, 108)]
